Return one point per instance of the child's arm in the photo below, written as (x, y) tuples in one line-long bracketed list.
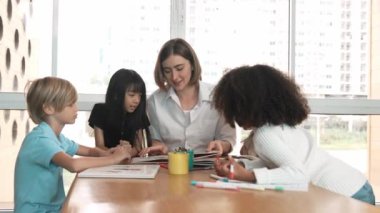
[(79, 164), (132, 150), (140, 144), (99, 138), (92, 152)]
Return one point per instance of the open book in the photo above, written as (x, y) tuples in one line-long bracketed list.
[(122, 171), (202, 160)]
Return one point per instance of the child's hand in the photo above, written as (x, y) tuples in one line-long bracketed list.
[(157, 149), (121, 153), (126, 144), (223, 168)]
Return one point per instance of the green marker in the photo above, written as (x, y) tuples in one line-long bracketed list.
[(278, 188)]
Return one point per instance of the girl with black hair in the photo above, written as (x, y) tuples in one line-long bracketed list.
[(264, 100), (122, 118)]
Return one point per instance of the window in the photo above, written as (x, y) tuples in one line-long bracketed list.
[(118, 34), (249, 33), (329, 58)]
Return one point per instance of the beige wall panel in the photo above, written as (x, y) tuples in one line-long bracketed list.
[(9, 149), (9, 145)]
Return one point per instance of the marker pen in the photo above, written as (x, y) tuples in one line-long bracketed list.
[(216, 177), (250, 186), (275, 187), (145, 142), (231, 175), (215, 185)]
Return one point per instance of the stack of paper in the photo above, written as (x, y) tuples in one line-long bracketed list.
[(204, 160), (122, 171)]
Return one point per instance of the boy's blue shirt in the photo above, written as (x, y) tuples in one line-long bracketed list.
[(38, 183)]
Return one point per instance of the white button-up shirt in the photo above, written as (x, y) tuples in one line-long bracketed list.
[(192, 129)]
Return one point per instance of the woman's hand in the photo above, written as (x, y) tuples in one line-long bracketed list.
[(158, 148), (220, 146)]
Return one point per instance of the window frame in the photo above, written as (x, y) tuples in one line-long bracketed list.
[(335, 106)]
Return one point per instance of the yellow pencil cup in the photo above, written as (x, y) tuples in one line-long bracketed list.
[(178, 163)]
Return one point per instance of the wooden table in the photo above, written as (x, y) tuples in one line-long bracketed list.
[(173, 193)]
